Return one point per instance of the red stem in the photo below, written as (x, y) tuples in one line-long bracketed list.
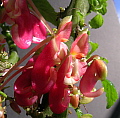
[(40, 17)]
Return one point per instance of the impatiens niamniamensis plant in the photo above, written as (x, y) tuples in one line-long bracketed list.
[(61, 59)]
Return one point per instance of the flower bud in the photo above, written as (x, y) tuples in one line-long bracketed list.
[(75, 90), (86, 100), (15, 106), (64, 21), (74, 100)]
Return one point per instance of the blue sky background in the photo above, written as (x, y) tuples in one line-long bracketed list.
[(117, 5)]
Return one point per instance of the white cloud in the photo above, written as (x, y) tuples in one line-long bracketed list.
[(118, 13)]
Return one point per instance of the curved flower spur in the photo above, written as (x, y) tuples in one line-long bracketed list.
[(96, 71)]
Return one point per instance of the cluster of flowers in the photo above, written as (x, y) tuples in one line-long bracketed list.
[(56, 69)]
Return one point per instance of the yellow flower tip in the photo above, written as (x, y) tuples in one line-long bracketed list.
[(77, 55), (64, 40)]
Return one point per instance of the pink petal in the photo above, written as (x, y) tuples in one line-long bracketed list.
[(42, 69), (59, 94), (64, 32), (89, 80), (80, 45), (27, 99), (23, 83), (21, 37), (59, 99), (39, 30)]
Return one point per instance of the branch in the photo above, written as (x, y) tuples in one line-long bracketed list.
[(39, 16)]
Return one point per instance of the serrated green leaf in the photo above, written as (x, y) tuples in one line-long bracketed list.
[(111, 93), (94, 47), (96, 22), (47, 11)]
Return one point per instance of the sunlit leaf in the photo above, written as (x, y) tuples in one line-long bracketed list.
[(104, 59), (98, 6), (79, 112), (96, 22), (86, 116), (94, 47), (111, 93)]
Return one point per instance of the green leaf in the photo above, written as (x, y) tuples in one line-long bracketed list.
[(13, 58), (47, 11), (86, 116), (104, 59), (103, 11), (96, 22), (79, 112), (111, 93), (4, 65), (94, 47), (99, 6), (4, 96)]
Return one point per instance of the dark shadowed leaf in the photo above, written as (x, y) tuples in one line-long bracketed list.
[(46, 10)]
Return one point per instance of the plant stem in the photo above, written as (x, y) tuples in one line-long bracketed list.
[(40, 17)]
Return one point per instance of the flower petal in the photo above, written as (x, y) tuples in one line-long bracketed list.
[(25, 99), (59, 99), (39, 30), (44, 66), (80, 45), (23, 83), (90, 78)]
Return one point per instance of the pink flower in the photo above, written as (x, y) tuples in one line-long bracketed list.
[(59, 95), (23, 92), (27, 28), (78, 51), (44, 73), (96, 71)]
